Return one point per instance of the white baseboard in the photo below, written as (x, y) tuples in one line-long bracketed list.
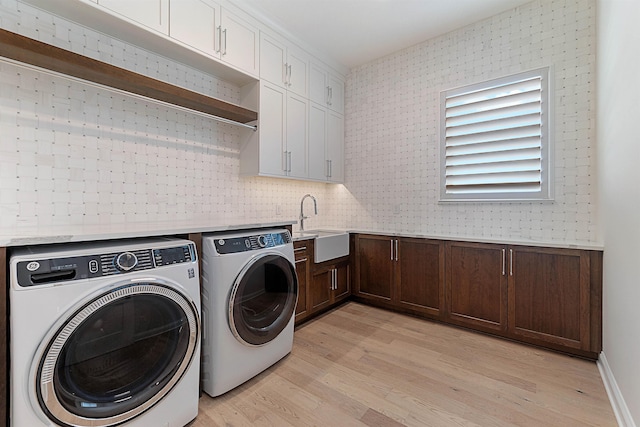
[(620, 408)]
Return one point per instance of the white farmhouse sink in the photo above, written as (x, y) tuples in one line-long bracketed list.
[(329, 244)]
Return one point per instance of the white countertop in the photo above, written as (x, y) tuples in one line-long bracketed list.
[(64, 234), (522, 242)]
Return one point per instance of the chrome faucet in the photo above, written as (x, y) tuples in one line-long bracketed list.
[(302, 217)]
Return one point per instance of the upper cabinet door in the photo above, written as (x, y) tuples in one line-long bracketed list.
[(297, 115), (273, 56), (298, 68), (150, 13), (336, 94), (284, 65), (335, 147), (195, 23), (318, 84), (239, 42), (318, 164), (273, 157), (326, 88)]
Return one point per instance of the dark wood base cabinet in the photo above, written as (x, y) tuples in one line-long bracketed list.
[(400, 273), (303, 255), (551, 297), (476, 293), (320, 286)]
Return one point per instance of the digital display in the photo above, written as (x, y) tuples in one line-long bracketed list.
[(172, 255)]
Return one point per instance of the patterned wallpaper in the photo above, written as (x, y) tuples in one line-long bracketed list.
[(392, 127), (73, 154)]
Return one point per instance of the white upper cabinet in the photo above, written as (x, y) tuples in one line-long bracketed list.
[(214, 30), (283, 64), (279, 147), (326, 88), (297, 116), (326, 144), (335, 147), (239, 42), (318, 165), (270, 155), (150, 13), (195, 23)]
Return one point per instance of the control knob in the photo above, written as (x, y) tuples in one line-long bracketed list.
[(262, 241), (126, 261)]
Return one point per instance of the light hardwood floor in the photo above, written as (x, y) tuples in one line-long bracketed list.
[(358, 365)]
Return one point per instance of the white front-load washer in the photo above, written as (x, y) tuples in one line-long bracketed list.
[(249, 295), (105, 334)]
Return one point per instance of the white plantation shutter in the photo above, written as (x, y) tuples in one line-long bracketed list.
[(495, 139)]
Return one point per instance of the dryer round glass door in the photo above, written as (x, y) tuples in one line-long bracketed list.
[(263, 299), (117, 355)]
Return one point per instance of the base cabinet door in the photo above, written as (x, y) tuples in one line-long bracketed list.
[(320, 289), (303, 261), (342, 285), (419, 275), (330, 284), (477, 285), (374, 275), (401, 273), (549, 295)]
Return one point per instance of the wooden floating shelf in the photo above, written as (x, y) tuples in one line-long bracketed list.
[(33, 52)]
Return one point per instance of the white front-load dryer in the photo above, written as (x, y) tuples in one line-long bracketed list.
[(105, 334), (249, 295)]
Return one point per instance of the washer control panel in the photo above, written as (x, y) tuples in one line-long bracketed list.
[(251, 242), (55, 270)]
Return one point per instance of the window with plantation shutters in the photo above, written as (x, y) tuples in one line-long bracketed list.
[(495, 139)]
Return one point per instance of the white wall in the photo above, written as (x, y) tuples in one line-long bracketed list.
[(619, 188), (392, 126)]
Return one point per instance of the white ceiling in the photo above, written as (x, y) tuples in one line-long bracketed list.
[(354, 32)]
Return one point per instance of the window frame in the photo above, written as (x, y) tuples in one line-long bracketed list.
[(546, 138)]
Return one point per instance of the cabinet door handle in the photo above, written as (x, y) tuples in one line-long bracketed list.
[(301, 260), (219, 39), (335, 280), (285, 161), (396, 250), (289, 161), (289, 74), (330, 95), (224, 52), (330, 168), (510, 262), (504, 261), (285, 73), (391, 241), (328, 89), (326, 172)]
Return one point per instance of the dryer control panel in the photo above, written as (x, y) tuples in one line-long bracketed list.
[(54, 270), (251, 242)]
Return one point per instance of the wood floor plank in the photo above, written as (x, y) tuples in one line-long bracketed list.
[(362, 366)]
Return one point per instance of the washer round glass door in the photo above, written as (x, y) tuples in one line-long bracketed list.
[(117, 355), (263, 299)]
